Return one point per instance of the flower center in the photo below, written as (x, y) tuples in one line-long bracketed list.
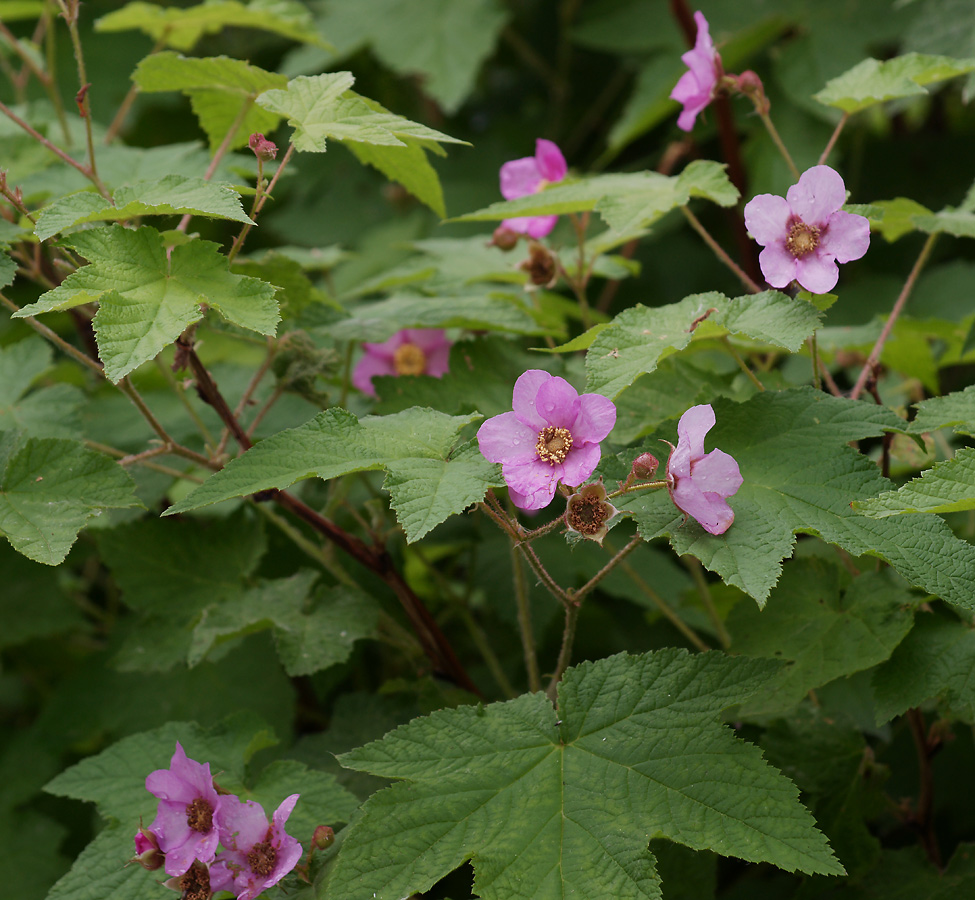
[(553, 444), (262, 858), (587, 515), (199, 815), (802, 239), (409, 360), (195, 884)]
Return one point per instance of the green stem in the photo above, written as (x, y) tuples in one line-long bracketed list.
[(259, 205), (740, 273), (741, 363), (832, 139), (69, 10), (565, 653), (814, 353), (523, 601), (777, 140), (693, 565), (872, 360), (579, 595)]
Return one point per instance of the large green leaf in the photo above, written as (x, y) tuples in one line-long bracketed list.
[(428, 475), (533, 796), (52, 411), (824, 628), (49, 489), (170, 195), (148, 296), (634, 342), (871, 82), (625, 201), (800, 476), (947, 487), (937, 659), (955, 410), (219, 88), (182, 28)]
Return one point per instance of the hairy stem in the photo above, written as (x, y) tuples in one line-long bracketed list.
[(832, 138), (259, 205), (525, 622), (565, 652), (579, 595), (740, 273), (777, 140), (69, 11)]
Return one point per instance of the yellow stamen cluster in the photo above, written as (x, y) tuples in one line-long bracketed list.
[(802, 239), (553, 444), (409, 360)]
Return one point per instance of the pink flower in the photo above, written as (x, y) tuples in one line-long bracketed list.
[(704, 70), (551, 435), (700, 482), (529, 175), (806, 234), (412, 351), (256, 855), (189, 815)]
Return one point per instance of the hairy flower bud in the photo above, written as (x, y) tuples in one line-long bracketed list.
[(148, 855), (323, 837), (263, 149), (504, 238), (643, 468)]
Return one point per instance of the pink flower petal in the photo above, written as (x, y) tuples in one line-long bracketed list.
[(778, 265), (520, 177), (817, 272), (368, 368), (712, 513), (550, 161), (557, 402), (534, 481), (165, 785), (693, 426), (438, 361), (387, 349), (427, 339), (596, 418), (767, 218), (244, 824), (817, 195), (523, 398), (506, 439), (717, 473), (846, 237), (579, 464)]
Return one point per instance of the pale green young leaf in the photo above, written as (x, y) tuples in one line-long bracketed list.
[(895, 218), (871, 82), (415, 444), (800, 476), (485, 311), (49, 489), (825, 629), (182, 28), (171, 195), (583, 786), (956, 222), (633, 343), (52, 411), (408, 165), (937, 659), (219, 88), (147, 297), (949, 486)]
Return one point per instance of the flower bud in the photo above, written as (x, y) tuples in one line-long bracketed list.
[(644, 467), (263, 149), (504, 238), (323, 837), (148, 855)]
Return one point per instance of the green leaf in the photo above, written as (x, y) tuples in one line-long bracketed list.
[(897, 217), (957, 222), (489, 311), (825, 628), (937, 659), (799, 476), (633, 752), (182, 28), (625, 201), (949, 486), (52, 411), (639, 337), (171, 195), (871, 82), (148, 297), (429, 480), (955, 410), (49, 489), (100, 870), (219, 88), (322, 106)]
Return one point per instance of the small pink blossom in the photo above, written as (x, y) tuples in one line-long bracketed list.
[(189, 815), (551, 435), (256, 854), (696, 87), (412, 351), (806, 233), (528, 175), (699, 482)]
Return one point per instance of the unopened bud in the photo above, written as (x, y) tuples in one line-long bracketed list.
[(148, 855), (323, 837), (504, 238), (263, 149), (540, 266), (644, 466)]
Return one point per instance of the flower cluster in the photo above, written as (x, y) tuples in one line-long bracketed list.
[(193, 820), (412, 351), (528, 175), (699, 482), (806, 233), (552, 434)]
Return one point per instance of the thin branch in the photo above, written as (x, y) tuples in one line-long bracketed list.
[(693, 565), (525, 622), (70, 10), (259, 205), (579, 595), (741, 363), (119, 118), (742, 276), (832, 138), (565, 652), (871, 364)]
